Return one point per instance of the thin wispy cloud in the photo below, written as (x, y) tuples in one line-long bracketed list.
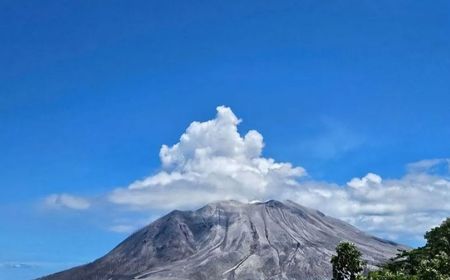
[(17, 265), (67, 201), (330, 140), (122, 228)]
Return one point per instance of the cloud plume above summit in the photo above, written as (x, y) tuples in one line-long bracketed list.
[(211, 161)]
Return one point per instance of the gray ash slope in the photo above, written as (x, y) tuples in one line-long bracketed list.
[(233, 240)]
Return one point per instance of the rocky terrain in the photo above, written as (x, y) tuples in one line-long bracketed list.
[(233, 240)]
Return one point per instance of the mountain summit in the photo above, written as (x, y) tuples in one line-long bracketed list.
[(233, 240)]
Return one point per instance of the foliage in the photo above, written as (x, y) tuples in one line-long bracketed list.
[(430, 262), (385, 274), (347, 264)]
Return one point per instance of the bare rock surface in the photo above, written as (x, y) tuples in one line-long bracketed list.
[(233, 240)]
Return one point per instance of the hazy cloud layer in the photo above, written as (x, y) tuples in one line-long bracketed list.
[(212, 161)]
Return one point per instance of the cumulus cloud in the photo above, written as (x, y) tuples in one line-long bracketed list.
[(213, 161), (406, 206), (67, 201)]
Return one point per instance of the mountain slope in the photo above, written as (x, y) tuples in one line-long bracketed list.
[(233, 240)]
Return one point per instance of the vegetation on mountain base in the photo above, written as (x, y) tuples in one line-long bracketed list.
[(430, 262)]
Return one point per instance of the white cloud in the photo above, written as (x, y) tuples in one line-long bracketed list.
[(366, 181), (212, 161), (406, 206), (67, 201)]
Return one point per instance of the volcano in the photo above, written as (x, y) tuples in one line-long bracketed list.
[(233, 240)]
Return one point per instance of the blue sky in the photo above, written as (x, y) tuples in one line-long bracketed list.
[(90, 91)]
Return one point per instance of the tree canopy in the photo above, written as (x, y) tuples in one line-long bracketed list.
[(347, 264), (430, 262)]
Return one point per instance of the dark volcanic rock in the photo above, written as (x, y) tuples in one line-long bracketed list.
[(233, 240)]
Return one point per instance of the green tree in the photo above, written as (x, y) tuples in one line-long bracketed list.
[(438, 239), (430, 262), (437, 251), (347, 263)]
